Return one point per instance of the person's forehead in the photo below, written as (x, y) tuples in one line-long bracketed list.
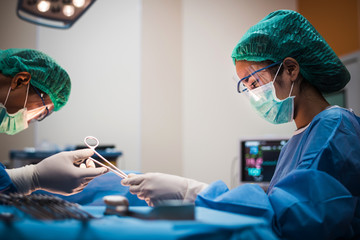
[(246, 64), (244, 68)]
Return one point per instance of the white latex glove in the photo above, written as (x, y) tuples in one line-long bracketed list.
[(57, 174), (155, 187)]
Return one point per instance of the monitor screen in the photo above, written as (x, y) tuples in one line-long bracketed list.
[(259, 158)]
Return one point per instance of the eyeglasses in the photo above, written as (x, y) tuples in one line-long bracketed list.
[(258, 78), (43, 114)]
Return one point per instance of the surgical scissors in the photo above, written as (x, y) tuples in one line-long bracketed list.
[(112, 168)]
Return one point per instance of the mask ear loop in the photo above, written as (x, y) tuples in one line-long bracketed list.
[(277, 72), (7, 96), (27, 94), (292, 86)]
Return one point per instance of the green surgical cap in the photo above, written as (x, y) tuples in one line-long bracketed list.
[(46, 74), (286, 33)]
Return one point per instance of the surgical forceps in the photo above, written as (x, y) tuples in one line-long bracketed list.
[(112, 168)]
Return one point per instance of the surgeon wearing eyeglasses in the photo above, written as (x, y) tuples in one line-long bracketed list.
[(33, 86), (283, 68)]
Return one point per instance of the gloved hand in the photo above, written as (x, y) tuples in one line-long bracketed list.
[(156, 187), (57, 174)]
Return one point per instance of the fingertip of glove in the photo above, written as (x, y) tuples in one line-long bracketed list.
[(92, 172), (86, 151), (127, 181), (100, 170), (83, 153), (124, 182)]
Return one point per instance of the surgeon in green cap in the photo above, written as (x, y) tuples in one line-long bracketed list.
[(32, 86), (283, 67)]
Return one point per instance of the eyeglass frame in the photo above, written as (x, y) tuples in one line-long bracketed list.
[(251, 74), (42, 117)]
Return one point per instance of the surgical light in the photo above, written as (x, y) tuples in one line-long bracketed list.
[(69, 10), (52, 13), (79, 3), (43, 6)]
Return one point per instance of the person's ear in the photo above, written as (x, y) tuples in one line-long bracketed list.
[(20, 79), (291, 68)]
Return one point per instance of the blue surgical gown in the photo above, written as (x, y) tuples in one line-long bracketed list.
[(314, 193), (6, 185)]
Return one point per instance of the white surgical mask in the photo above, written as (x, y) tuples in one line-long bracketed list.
[(13, 123)]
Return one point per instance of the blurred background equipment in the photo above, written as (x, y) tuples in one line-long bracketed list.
[(258, 159), (19, 158)]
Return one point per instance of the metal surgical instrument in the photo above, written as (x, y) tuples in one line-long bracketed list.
[(42, 207), (92, 146)]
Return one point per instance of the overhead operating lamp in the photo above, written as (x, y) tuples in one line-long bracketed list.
[(52, 13)]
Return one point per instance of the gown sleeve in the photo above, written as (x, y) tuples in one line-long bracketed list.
[(311, 204), (333, 146), (307, 204), (6, 185), (249, 199)]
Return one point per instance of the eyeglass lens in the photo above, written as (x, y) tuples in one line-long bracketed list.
[(45, 112)]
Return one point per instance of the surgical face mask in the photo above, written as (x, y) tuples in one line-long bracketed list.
[(12, 123), (16, 122), (268, 106)]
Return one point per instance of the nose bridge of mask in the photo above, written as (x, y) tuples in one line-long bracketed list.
[(261, 93)]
